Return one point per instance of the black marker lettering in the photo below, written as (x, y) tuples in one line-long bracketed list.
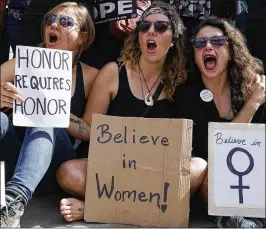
[(19, 57), (104, 189)]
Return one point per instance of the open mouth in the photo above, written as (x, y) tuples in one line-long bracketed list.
[(210, 62), (53, 38), (151, 45)]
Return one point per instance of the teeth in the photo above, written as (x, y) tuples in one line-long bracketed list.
[(151, 42), (209, 56)]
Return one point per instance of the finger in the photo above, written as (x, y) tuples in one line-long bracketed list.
[(11, 94), (6, 99), (5, 104), (262, 79), (9, 86)]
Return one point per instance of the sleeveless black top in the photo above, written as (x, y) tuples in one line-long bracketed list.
[(78, 101), (125, 104)]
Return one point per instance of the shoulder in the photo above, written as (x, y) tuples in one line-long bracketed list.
[(88, 71), (7, 70)]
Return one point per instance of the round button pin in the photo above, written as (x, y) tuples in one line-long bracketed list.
[(206, 95)]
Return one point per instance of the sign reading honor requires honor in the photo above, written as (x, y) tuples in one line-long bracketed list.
[(114, 10), (237, 169), (43, 78)]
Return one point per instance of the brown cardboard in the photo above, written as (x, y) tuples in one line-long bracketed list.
[(156, 165)]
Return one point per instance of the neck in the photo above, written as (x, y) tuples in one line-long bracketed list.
[(150, 70), (217, 84)]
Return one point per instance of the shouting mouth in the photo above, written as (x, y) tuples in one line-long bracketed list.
[(52, 39), (151, 45), (210, 62)]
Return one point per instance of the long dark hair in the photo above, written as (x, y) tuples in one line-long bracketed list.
[(241, 68)]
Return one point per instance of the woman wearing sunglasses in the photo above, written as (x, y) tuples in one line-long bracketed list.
[(226, 85), (152, 64), (66, 27)]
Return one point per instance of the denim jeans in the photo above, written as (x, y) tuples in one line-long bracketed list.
[(35, 160)]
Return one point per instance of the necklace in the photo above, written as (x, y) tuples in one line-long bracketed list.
[(148, 98)]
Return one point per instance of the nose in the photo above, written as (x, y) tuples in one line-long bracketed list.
[(151, 29), (54, 24), (209, 45)]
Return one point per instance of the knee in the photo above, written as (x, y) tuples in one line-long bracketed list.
[(71, 176), (5, 124), (198, 172)]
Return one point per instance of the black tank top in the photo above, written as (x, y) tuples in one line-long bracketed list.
[(125, 104), (78, 100)]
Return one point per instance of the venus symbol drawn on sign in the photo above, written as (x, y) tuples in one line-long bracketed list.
[(230, 166)]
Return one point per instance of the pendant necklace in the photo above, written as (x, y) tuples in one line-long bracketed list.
[(148, 98)]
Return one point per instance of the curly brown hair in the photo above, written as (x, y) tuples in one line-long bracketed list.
[(174, 72), (242, 67)]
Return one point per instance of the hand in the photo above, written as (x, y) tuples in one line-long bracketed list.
[(257, 96), (8, 93)]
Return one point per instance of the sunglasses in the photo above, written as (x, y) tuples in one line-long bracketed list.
[(65, 21), (159, 26), (201, 42)]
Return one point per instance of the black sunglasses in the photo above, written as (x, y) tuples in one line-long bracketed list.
[(64, 21), (201, 42), (160, 26)]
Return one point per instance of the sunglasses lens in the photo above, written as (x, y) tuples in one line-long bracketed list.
[(143, 26), (199, 42), (218, 41), (161, 26), (49, 19), (66, 21)]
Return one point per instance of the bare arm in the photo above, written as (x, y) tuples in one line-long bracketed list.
[(78, 128), (256, 99), (104, 89)]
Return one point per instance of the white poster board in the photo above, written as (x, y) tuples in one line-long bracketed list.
[(236, 169), (44, 79), (2, 183)]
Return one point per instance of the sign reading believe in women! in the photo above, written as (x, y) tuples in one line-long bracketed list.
[(43, 78)]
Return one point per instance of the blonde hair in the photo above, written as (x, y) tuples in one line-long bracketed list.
[(85, 23)]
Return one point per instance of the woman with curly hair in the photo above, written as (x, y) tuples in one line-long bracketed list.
[(226, 85), (152, 63)]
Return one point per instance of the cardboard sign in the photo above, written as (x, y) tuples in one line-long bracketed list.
[(236, 169), (139, 171), (114, 10), (2, 183), (44, 79)]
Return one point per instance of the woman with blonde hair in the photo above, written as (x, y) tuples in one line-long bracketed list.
[(68, 26)]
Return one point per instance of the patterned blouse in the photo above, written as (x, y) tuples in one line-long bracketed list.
[(17, 8), (197, 9)]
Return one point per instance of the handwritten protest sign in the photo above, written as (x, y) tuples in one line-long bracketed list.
[(114, 10), (139, 171), (44, 78), (237, 169), (2, 183)]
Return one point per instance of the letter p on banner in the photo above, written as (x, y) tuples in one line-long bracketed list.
[(132, 181), (236, 172)]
